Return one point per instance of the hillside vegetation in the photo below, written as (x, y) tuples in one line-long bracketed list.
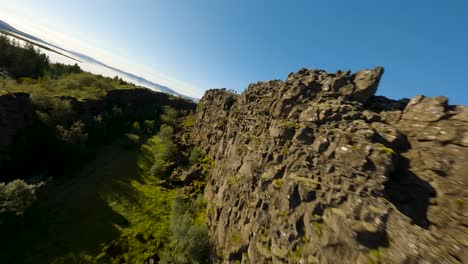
[(25, 69), (94, 169)]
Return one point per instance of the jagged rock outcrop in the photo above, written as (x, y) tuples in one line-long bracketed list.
[(316, 169)]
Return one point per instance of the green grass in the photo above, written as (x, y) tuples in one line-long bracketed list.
[(79, 85), (93, 214)]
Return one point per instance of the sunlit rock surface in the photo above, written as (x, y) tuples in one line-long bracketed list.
[(316, 169)]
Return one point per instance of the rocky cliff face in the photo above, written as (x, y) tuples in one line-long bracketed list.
[(316, 169)]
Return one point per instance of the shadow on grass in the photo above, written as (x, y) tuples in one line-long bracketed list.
[(73, 220)]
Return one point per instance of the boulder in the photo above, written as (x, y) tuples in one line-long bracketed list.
[(366, 83)]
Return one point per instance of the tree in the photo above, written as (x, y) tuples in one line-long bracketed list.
[(22, 61), (169, 116)]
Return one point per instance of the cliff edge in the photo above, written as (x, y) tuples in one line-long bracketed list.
[(317, 169)]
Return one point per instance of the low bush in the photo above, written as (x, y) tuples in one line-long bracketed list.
[(196, 156), (16, 196), (189, 241), (73, 135), (169, 116), (158, 155)]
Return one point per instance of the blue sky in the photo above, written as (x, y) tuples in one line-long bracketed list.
[(203, 44)]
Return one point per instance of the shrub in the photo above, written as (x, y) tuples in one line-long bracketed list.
[(149, 126), (157, 156), (169, 116), (58, 69), (98, 121), (52, 110), (17, 196), (117, 111), (166, 132), (134, 139), (74, 135), (188, 121), (189, 241), (136, 127), (196, 155)]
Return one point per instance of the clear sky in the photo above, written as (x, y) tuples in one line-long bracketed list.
[(203, 44)]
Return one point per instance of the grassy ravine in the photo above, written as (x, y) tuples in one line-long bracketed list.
[(115, 195), (107, 214)]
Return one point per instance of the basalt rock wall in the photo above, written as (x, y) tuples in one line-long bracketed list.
[(317, 169)]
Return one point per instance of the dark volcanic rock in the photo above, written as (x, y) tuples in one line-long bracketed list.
[(316, 169), (366, 82), (16, 113)]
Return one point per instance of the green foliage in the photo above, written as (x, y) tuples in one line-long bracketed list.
[(158, 153), (233, 180), (284, 151), (134, 139), (234, 238), (126, 211), (189, 241), (386, 150), (318, 229), (221, 122), (189, 121), (21, 61), (52, 110), (290, 125), (196, 156), (98, 121), (120, 210), (17, 196), (74, 134), (459, 202), (117, 111), (166, 132), (283, 213), (58, 70), (169, 116), (207, 164), (149, 126), (167, 224), (37, 77), (136, 127), (298, 252), (82, 85), (277, 183), (149, 227), (374, 256)]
